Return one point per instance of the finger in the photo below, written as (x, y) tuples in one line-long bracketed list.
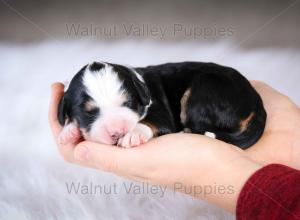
[(109, 158), (67, 152), (57, 91), (266, 92)]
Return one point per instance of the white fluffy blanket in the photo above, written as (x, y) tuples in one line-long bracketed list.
[(34, 178)]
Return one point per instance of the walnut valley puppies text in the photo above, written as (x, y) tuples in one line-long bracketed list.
[(161, 32), (143, 188)]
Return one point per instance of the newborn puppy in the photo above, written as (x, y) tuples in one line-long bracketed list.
[(119, 105)]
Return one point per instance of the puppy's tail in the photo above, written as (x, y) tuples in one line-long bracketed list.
[(252, 131)]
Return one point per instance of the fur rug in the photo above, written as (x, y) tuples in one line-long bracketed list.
[(35, 183)]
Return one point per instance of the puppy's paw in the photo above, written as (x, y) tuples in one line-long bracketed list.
[(139, 135), (70, 134), (132, 139)]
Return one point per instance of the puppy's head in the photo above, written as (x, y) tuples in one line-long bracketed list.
[(105, 101)]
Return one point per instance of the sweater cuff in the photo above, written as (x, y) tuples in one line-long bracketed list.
[(272, 192)]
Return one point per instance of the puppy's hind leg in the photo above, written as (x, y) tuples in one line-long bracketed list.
[(193, 115), (184, 113)]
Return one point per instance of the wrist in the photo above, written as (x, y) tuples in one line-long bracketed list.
[(239, 171), (231, 172)]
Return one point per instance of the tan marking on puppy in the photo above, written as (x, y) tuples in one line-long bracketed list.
[(151, 126), (183, 104), (84, 133), (244, 123), (187, 130), (89, 106)]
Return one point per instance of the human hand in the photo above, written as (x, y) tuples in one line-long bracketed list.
[(186, 158), (280, 142)]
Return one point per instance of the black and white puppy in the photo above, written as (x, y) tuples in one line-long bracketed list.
[(119, 105)]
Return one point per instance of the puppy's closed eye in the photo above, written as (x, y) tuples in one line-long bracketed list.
[(127, 103), (91, 110)]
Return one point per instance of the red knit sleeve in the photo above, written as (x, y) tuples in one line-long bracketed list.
[(273, 192)]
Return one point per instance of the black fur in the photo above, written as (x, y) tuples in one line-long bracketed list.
[(220, 99)]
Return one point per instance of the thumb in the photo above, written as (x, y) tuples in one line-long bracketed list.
[(108, 158)]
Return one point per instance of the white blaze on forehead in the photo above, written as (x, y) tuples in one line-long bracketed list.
[(104, 86)]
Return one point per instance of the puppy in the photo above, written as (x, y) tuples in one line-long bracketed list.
[(119, 105)]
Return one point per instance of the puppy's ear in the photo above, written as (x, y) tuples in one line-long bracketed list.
[(63, 113), (142, 90)]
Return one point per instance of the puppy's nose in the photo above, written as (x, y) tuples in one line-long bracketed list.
[(116, 135)]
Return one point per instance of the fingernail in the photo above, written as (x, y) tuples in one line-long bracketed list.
[(81, 153)]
